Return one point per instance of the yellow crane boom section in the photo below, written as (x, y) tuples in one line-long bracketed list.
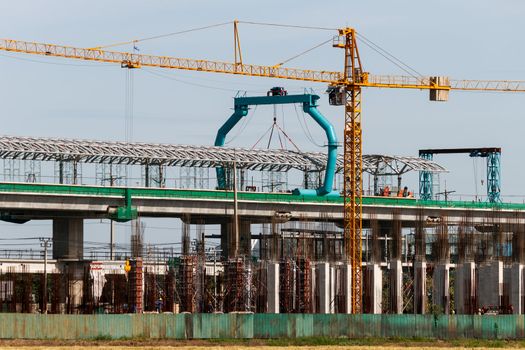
[(131, 60)]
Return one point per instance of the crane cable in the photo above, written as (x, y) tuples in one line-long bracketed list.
[(302, 53), (243, 126), (475, 166), (286, 25), (307, 130), (161, 36), (393, 59)]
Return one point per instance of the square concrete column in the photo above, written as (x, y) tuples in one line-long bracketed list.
[(68, 239), (465, 289), (332, 289), (347, 280), (75, 280), (396, 286), (420, 287), (516, 288), (323, 270), (272, 286), (226, 246), (245, 244), (313, 286), (490, 284), (441, 287), (374, 288)]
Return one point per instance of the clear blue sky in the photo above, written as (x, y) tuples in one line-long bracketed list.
[(462, 39)]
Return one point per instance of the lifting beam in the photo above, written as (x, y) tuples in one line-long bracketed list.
[(309, 103)]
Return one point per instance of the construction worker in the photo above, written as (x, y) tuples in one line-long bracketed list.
[(158, 305)]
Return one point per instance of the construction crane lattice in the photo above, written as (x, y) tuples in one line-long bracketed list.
[(344, 89)]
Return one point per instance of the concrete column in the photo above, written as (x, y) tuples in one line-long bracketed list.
[(313, 290), (465, 288), (490, 286), (75, 285), (396, 286), (374, 288), (441, 287), (347, 280), (245, 244), (272, 286), (324, 287), (225, 240), (333, 291), (68, 239), (420, 287), (516, 288)]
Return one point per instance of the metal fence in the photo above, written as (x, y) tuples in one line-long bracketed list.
[(222, 326)]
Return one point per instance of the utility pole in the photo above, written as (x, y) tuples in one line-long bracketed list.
[(235, 210), (112, 180), (45, 242)]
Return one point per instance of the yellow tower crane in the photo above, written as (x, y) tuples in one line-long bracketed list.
[(344, 88)]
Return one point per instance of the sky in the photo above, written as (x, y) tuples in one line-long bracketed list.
[(467, 39)]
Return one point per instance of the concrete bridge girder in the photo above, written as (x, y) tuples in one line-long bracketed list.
[(49, 206)]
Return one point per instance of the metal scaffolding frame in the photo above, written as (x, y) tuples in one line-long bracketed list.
[(125, 153)]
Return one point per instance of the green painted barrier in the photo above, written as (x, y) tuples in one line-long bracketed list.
[(245, 196), (262, 326)]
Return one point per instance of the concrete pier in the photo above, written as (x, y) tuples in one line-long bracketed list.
[(68, 239), (465, 288), (516, 288), (347, 280), (396, 286), (313, 287), (374, 288), (75, 286), (490, 284), (323, 282), (272, 286), (420, 287), (441, 287), (245, 237), (332, 283)]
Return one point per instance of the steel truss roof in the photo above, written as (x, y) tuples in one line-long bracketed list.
[(124, 153)]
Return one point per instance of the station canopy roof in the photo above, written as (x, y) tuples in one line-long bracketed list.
[(135, 153)]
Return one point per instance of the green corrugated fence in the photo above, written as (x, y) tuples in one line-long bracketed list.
[(223, 326)]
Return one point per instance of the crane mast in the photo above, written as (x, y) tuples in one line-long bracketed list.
[(353, 162)]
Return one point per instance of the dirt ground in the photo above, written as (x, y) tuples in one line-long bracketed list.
[(381, 344), (320, 347)]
